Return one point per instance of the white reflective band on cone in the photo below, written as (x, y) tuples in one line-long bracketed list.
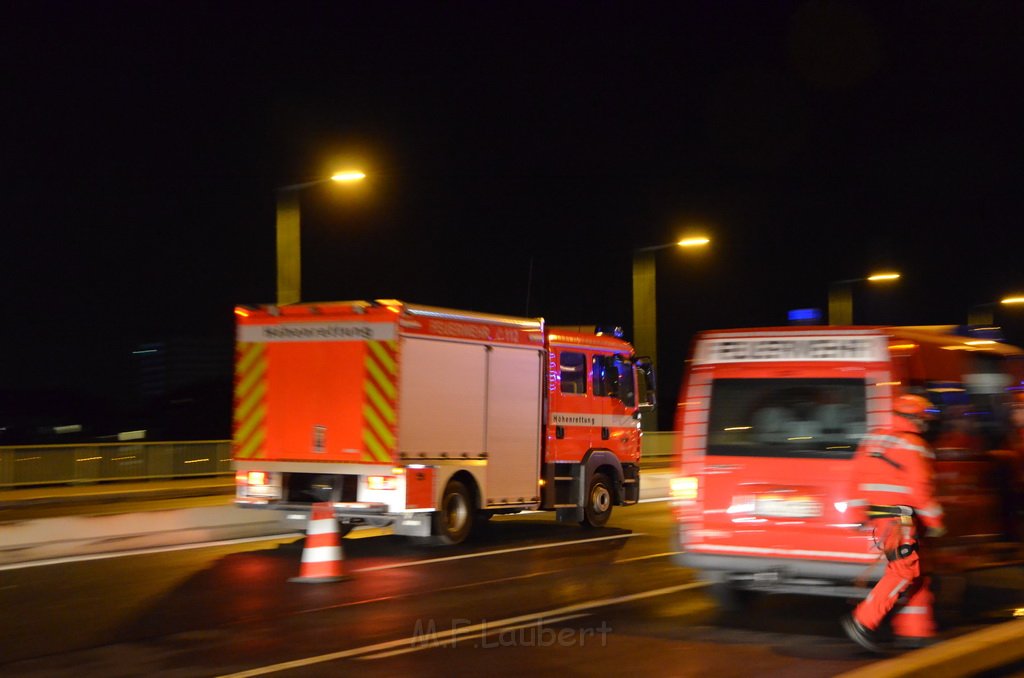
[(321, 527), (321, 554)]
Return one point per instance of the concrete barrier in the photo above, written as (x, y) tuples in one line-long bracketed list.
[(47, 538)]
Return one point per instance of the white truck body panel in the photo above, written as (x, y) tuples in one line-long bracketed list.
[(514, 410), (442, 399)]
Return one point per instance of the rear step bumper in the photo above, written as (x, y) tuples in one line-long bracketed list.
[(784, 575), (350, 513)]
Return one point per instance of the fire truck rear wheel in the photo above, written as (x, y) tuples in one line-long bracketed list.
[(598, 508), (453, 520)]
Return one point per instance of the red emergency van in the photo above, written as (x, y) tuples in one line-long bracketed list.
[(769, 420)]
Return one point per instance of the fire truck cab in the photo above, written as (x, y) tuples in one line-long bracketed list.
[(770, 418)]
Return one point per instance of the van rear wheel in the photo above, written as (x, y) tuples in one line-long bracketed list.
[(598, 507), (731, 599)]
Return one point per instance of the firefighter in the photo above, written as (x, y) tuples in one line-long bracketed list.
[(893, 480), (1015, 440), (959, 431), (1010, 469)]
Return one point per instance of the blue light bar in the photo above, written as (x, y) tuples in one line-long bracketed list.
[(804, 315)]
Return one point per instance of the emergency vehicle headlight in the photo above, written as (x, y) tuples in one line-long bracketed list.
[(683, 487), (382, 482)]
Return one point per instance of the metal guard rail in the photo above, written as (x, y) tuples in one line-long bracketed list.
[(98, 462)]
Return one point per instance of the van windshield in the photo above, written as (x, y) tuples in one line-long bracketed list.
[(804, 418)]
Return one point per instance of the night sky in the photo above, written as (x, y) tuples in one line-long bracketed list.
[(516, 154)]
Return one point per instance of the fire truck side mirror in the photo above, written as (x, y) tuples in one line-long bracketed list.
[(647, 384)]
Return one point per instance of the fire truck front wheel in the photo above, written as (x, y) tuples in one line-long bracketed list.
[(453, 520), (598, 508)]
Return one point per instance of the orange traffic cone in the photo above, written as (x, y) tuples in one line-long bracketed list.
[(321, 556)]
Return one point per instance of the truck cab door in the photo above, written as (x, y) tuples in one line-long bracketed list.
[(571, 408), (615, 386), (647, 387)]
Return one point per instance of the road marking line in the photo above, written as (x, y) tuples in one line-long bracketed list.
[(653, 500), (227, 542), (469, 585), (290, 535), (482, 554), (146, 551), (460, 636), (533, 616), (647, 557)]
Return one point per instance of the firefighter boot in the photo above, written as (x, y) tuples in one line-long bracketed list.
[(861, 635)]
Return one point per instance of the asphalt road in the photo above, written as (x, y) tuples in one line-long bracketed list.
[(529, 596)]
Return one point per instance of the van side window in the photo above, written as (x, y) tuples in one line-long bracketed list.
[(573, 372), (606, 376)]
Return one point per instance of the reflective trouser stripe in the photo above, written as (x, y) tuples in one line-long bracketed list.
[(915, 618), (898, 588), (900, 575), (913, 609)]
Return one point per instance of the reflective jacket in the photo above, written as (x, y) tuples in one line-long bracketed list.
[(894, 467)]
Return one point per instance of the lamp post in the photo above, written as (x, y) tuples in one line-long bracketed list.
[(840, 297), (645, 330), (289, 249), (983, 314)]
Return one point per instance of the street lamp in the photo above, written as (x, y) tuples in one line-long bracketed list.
[(289, 251), (840, 296), (982, 314), (645, 334)]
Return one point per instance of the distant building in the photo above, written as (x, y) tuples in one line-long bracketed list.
[(163, 368), (184, 387)]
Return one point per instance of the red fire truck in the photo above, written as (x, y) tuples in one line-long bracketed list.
[(430, 420), (769, 420)]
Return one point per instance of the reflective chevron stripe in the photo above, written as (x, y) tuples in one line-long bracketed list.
[(250, 400), (381, 390)]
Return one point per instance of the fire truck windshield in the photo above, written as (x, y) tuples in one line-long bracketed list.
[(804, 418)]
